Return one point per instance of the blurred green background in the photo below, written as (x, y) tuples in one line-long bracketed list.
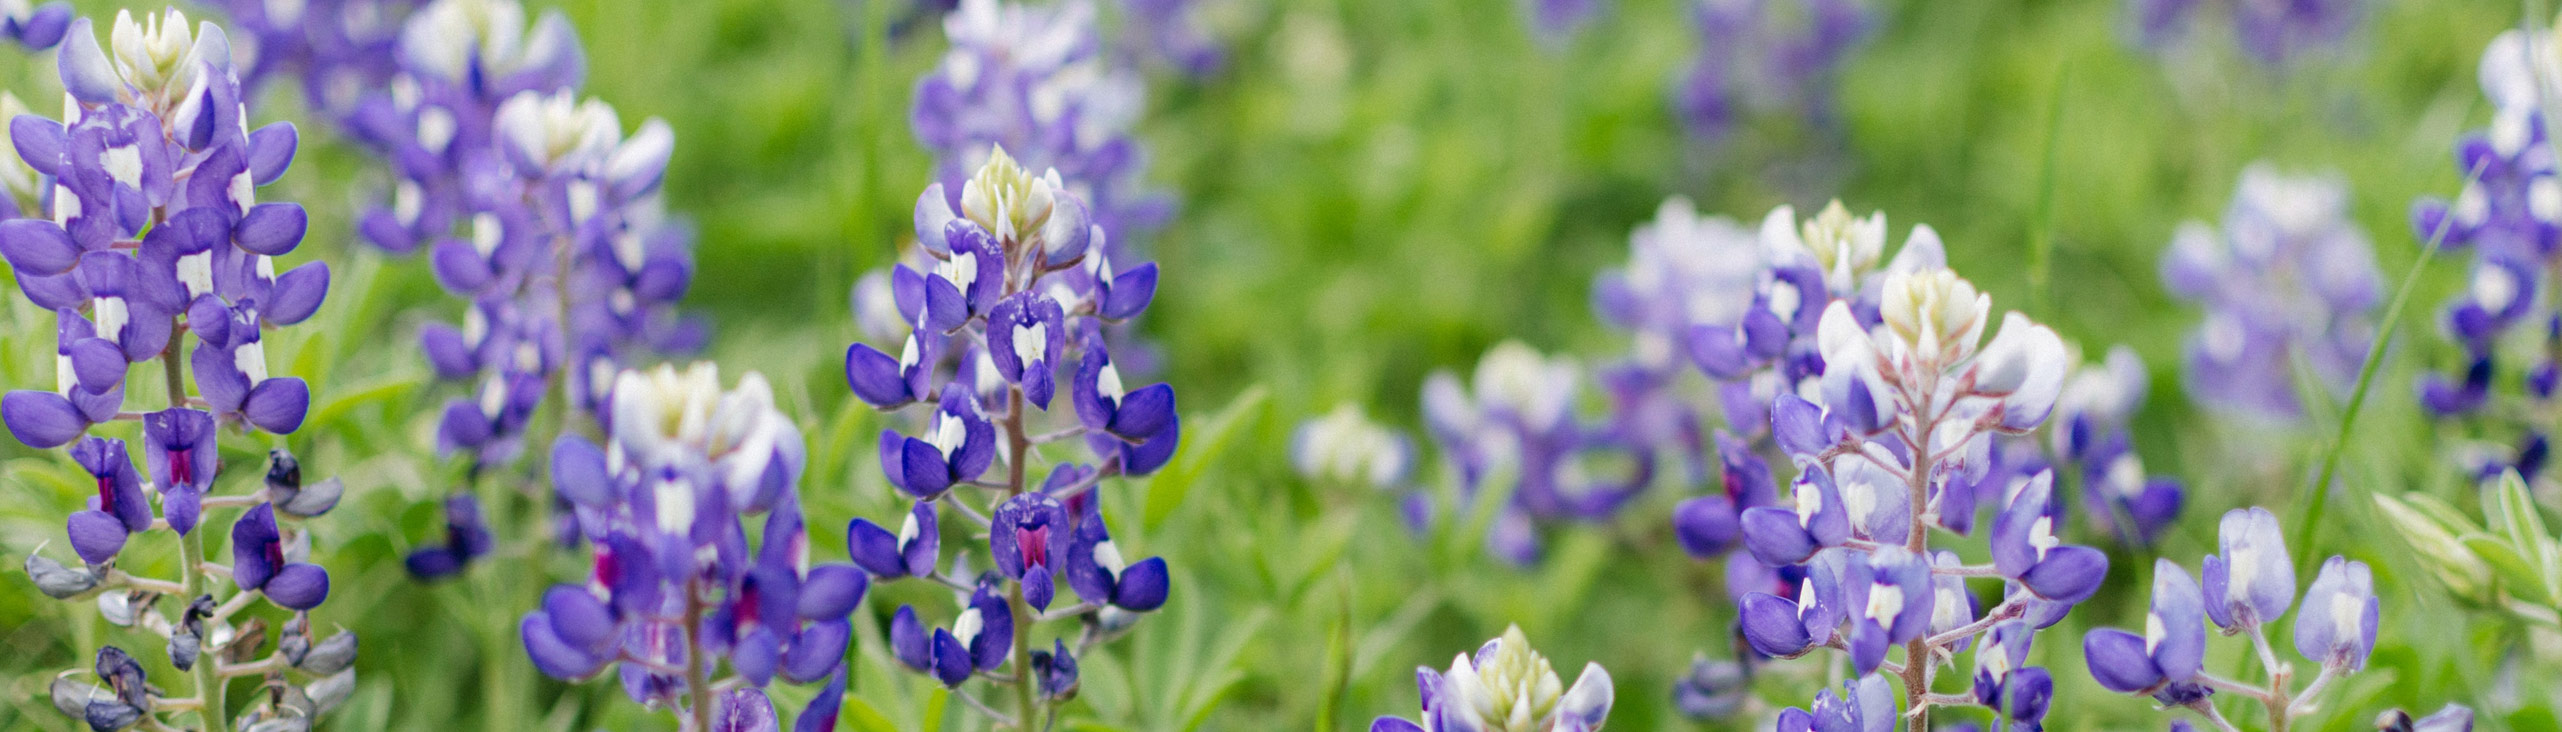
[(1370, 191)]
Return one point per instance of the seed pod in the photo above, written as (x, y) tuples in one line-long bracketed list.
[(313, 500), (57, 581), (71, 697)]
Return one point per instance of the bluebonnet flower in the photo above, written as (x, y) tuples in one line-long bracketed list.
[(155, 134), (676, 588), (537, 210), (2094, 413), (1036, 81), (1767, 57), (2505, 217), (1506, 686), (1170, 32), (2250, 584), (336, 50), (2272, 34), (138, 225), (1012, 291), (1554, 21), (466, 538), (1893, 432), (1713, 689), (1345, 447), (1521, 417), (2288, 277)]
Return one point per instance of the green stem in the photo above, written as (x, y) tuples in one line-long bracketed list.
[(696, 685), (209, 686), (2365, 380), (1026, 705)]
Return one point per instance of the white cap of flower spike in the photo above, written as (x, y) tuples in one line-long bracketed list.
[(1508, 687), (156, 55), (558, 130), (1934, 314), (664, 416), (1008, 200)]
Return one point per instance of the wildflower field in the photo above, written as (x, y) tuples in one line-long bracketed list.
[(1484, 365)]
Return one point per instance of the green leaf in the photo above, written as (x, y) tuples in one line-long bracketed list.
[(2513, 570), (861, 714), (1201, 447), (934, 702), (2518, 518)]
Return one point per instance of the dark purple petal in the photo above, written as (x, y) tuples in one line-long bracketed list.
[(1130, 293), (831, 591), (1771, 625), (1717, 352), (42, 419), (1706, 525), (818, 651), (1798, 425), (875, 549), (1143, 586), (1774, 536), (299, 586), (271, 151), (37, 246), (951, 661), (446, 351), (925, 473), (755, 654), (278, 405), (271, 228), (2068, 574), (40, 142), (458, 267), (876, 378), (2118, 661), (297, 294), (255, 556), (96, 536), (908, 640), (97, 364), (1144, 413)]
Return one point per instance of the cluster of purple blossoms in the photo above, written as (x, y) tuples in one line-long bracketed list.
[(676, 587), (1506, 686), (1520, 421), (338, 50), (2288, 280), (2273, 34), (1896, 438), (150, 230), (1767, 57), (2092, 441), (1170, 33), (1555, 21), (1037, 81), (536, 210), (2246, 586), (1016, 296), (2509, 214)]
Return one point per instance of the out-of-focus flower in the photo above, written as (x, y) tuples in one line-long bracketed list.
[(2289, 276), (2273, 34), (1344, 446), (1777, 58)]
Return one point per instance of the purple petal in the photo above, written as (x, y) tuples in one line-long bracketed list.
[(297, 294), (41, 419), (2118, 661), (1143, 586), (299, 586), (37, 246), (96, 536), (831, 591), (86, 74), (271, 228), (278, 405)]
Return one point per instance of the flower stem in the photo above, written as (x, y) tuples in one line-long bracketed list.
[(209, 684), (696, 686), (1026, 705), (1918, 662)]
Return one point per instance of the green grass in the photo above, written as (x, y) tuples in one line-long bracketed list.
[(1374, 190)]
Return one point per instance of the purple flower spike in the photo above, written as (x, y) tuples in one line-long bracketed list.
[(2252, 581), (2025, 547), (1024, 336), (2337, 626)]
